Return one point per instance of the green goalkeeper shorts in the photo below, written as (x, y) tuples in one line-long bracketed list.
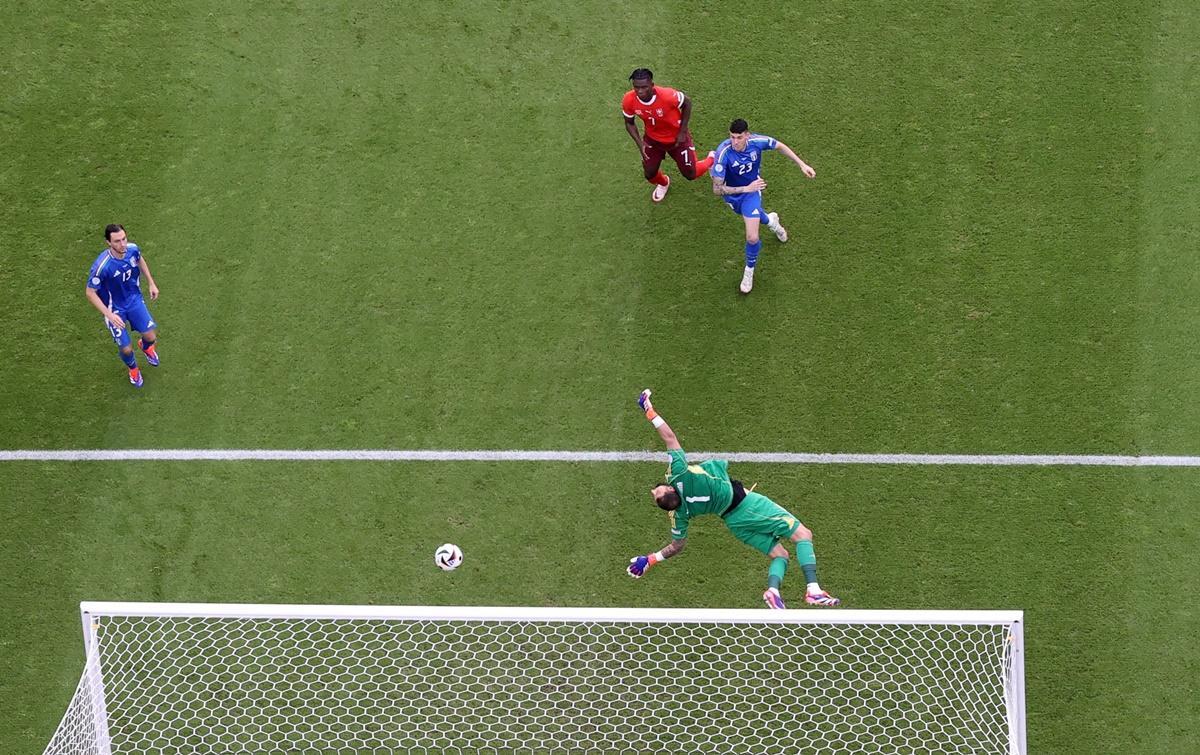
[(760, 522)]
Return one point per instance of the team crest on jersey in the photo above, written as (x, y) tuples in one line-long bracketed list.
[(753, 156), (95, 281)]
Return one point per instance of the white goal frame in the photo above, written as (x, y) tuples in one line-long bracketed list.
[(91, 692)]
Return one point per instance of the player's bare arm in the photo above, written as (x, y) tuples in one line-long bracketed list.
[(631, 127), (721, 189), (804, 167), (145, 268), (674, 548), (113, 318), (664, 430), (686, 110), (639, 564), (668, 437)]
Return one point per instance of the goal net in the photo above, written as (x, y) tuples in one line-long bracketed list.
[(181, 679)]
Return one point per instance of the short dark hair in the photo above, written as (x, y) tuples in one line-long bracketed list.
[(739, 126), (641, 73), (110, 229), (668, 501)]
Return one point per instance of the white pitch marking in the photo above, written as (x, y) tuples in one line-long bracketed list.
[(250, 454)]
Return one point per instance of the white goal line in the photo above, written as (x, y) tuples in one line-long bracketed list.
[(252, 454)]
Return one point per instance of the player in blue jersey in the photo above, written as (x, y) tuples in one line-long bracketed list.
[(735, 179), (113, 288)]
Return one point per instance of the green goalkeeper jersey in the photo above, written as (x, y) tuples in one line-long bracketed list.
[(703, 489)]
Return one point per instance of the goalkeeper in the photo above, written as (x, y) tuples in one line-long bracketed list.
[(694, 490)]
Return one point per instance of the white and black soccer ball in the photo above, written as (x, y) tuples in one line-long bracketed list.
[(448, 557)]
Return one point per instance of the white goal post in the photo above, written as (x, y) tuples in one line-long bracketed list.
[(189, 678)]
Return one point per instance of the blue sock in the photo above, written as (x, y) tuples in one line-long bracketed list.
[(128, 359), (752, 252), (146, 343)]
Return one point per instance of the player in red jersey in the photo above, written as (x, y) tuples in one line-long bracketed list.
[(665, 113)]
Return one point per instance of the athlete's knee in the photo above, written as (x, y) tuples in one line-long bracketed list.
[(778, 551), (801, 533), (752, 238)]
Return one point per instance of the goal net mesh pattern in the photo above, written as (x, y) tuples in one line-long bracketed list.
[(186, 685)]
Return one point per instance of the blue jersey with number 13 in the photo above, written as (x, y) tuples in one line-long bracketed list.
[(116, 280)]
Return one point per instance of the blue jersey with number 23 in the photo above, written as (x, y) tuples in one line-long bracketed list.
[(741, 168)]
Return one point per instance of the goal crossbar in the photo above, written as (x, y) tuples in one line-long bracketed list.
[(524, 613)]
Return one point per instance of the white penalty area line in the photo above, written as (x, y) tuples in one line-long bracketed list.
[(249, 454)]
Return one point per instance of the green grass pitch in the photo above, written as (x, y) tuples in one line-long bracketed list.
[(426, 228)]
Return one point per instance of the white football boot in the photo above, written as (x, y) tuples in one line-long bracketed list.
[(660, 192), (747, 280), (774, 226)]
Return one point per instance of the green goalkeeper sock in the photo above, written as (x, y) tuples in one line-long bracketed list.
[(807, 559), (776, 572)]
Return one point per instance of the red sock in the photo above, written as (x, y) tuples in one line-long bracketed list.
[(703, 166), (659, 179)]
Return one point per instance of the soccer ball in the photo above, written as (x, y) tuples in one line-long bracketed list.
[(448, 557)]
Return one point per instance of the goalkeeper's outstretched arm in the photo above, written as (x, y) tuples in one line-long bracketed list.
[(664, 430), (639, 564), (674, 548)]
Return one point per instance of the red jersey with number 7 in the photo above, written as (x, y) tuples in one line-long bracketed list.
[(661, 114)]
